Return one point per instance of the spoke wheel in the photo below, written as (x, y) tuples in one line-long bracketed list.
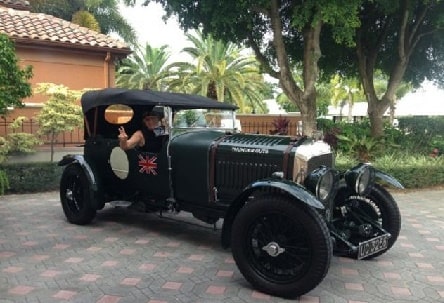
[(282, 247), (352, 212), (75, 196)]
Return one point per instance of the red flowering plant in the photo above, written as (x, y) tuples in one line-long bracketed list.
[(280, 125)]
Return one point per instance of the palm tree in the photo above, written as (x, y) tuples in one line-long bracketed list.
[(146, 68), (220, 72), (100, 15), (346, 90)]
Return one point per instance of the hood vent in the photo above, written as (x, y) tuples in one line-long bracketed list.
[(253, 140), (233, 174)]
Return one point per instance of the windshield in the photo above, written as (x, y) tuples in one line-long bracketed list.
[(206, 118)]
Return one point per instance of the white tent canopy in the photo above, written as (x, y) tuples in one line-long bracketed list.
[(425, 101)]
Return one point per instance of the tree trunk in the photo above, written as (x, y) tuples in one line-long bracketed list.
[(304, 99), (350, 108), (53, 135), (408, 37), (212, 91), (309, 116), (375, 114), (392, 112)]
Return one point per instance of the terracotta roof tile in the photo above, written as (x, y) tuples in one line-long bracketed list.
[(19, 24)]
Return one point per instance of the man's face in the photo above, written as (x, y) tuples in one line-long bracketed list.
[(151, 122)]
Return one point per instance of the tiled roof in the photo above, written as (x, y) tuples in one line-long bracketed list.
[(24, 26), (17, 4)]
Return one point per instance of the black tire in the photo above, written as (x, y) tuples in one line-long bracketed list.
[(277, 222), (378, 205), (76, 196)]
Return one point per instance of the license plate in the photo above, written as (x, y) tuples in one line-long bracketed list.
[(372, 246)]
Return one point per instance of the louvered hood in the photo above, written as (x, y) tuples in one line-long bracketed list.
[(241, 159)]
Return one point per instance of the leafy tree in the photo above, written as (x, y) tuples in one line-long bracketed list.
[(323, 93), (14, 85), (403, 39), (380, 83), (145, 69), (221, 72), (60, 112), (280, 34), (100, 15)]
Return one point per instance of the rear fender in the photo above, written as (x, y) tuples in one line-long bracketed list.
[(80, 160), (298, 192)]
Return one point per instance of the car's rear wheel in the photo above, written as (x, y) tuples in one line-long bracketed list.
[(76, 196), (282, 247)]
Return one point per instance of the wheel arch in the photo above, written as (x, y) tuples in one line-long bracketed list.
[(284, 187), (79, 160)]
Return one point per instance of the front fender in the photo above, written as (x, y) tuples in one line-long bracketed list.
[(300, 193), (297, 191), (388, 179), (80, 160)]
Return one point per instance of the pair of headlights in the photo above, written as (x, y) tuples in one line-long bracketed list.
[(322, 181)]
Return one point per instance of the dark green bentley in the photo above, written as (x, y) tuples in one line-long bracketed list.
[(285, 209)]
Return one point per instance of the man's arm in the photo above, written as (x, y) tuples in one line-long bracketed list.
[(125, 143)]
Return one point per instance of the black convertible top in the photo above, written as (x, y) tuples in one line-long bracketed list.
[(109, 96)]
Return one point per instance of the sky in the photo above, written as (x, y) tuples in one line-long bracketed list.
[(149, 26)]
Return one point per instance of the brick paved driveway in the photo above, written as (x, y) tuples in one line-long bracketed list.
[(128, 257)]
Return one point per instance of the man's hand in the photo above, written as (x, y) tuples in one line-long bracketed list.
[(122, 134)]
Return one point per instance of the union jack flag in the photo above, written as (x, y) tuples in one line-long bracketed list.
[(148, 165)]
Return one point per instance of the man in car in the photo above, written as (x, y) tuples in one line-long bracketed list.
[(146, 139)]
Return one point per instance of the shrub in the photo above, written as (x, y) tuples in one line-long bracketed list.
[(280, 125), (422, 133), (412, 170), (32, 177), (4, 182), (19, 142), (22, 143)]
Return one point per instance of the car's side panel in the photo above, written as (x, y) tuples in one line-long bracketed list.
[(97, 152), (149, 173), (190, 154)]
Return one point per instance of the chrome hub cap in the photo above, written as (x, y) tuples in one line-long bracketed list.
[(273, 249)]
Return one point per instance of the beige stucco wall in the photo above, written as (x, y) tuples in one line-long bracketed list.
[(76, 69), (72, 68)]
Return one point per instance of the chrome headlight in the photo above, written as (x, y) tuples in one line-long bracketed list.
[(360, 178), (321, 182)]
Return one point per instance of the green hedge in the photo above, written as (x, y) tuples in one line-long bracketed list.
[(32, 177), (411, 171)]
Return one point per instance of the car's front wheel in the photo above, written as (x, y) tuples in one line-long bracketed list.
[(356, 217), (75, 196), (282, 247)]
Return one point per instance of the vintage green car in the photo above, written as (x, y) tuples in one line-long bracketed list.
[(285, 209)]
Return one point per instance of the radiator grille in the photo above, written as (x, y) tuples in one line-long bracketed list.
[(302, 167), (233, 175), (326, 160)]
